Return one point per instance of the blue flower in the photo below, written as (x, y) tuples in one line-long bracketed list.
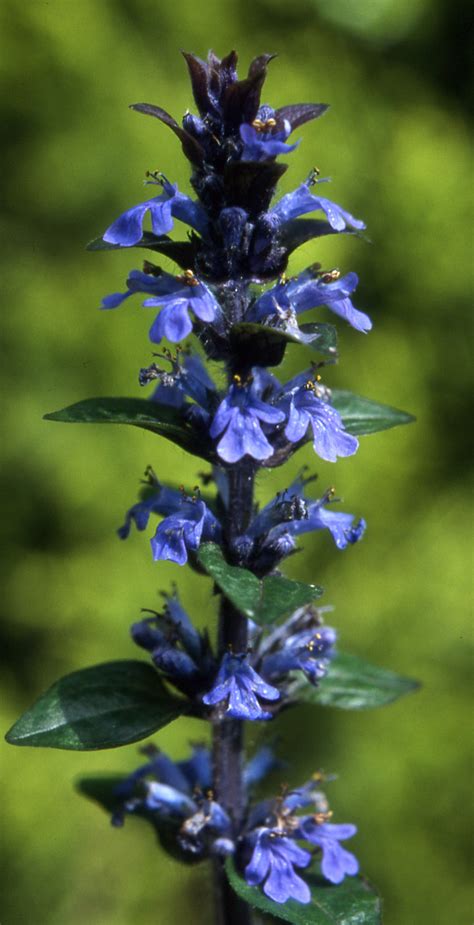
[(302, 200), (288, 299), (127, 230), (332, 290), (182, 623), (319, 516), (270, 535), (309, 651), (273, 863), (177, 295), (174, 795), (174, 322), (177, 649), (305, 408), (159, 499), (240, 687), (159, 637), (265, 137), (336, 861), (153, 281), (343, 528), (183, 532), (240, 415)]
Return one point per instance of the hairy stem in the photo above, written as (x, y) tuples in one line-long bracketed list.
[(228, 744)]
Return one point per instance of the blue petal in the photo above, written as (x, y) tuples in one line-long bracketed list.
[(168, 800), (330, 440), (261, 145), (168, 772), (340, 525), (173, 322), (173, 662), (198, 768), (244, 436), (301, 201), (127, 229), (203, 304), (337, 862), (259, 865), (345, 309), (115, 299), (298, 422), (223, 415), (187, 632), (190, 212), (168, 544)]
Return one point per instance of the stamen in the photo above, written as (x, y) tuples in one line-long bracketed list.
[(155, 176), (264, 126), (313, 177), (321, 818), (330, 276), (188, 278)]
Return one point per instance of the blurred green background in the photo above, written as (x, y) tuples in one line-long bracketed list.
[(396, 143)]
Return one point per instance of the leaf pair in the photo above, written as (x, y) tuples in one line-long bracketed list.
[(359, 416), (120, 702)]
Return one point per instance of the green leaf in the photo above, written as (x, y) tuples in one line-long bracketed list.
[(263, 600), (182, 252), (354, 684), (353, 902), (364, 416), (139, 412), (99, 707)]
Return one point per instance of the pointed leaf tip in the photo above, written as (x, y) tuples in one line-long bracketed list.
[(354, 684), (364, 416)]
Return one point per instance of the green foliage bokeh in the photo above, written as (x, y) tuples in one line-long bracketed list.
[(396, 143)]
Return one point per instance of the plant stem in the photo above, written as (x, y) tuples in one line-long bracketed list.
[(228, 734)]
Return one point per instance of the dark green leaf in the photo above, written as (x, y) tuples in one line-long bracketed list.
[(100, 707), (354, 684), (182, 252), (353, 902), (139, 412), (254, 341), (299, 231), (263, 600), (364, 416)]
